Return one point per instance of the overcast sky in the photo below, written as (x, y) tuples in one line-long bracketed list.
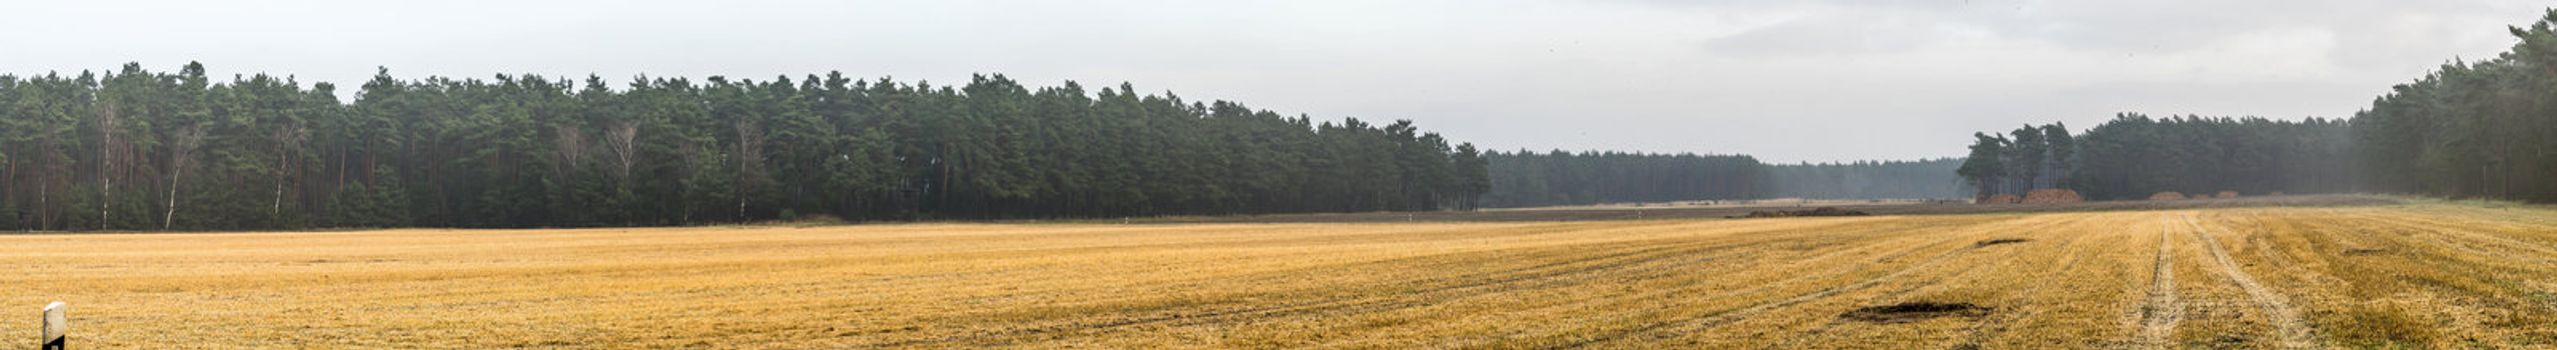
[(1783, 80)]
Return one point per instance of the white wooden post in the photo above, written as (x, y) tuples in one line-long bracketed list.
[(56, 326)]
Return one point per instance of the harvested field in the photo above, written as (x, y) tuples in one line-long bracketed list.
[(2424, 275)]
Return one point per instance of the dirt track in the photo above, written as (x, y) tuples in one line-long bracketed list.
[(1586, 214)]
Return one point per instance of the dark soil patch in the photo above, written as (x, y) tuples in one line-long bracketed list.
[(1914, 311), (2000, 241), (1821, 211), (2364, 251), (2229, 341)]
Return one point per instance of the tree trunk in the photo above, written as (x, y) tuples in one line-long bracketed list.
[(286, 137), (278, 207), (170, 218), (43, 200), (182, 149)]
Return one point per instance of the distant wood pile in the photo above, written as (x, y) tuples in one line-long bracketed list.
[(2167, 196)]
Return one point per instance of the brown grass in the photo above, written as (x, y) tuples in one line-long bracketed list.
[(2427, 275)]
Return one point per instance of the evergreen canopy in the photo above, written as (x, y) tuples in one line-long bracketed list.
[(135, 149)]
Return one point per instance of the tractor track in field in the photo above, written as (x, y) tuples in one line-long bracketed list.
[(2068, 264), (2160, 312), (1891, 256), (1513, 279), (2293, 331), (1409, 302), (1794, 342), (1545, 274), (1714, 319), (2463, 241), (1997, 323)]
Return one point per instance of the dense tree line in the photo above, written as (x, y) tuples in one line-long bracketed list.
[(135, 150), (2486, 128), (1528, 179), (1921, 179), (2469, 129), (2133, 156)]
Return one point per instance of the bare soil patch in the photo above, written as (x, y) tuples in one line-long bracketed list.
[(2000, 241), (2002, 198), (1915, 311), (1821, 211)]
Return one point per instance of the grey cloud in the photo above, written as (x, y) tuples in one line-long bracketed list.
[(1847, 34), (2154, 27)]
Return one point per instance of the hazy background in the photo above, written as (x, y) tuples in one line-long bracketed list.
[(1783, 80)]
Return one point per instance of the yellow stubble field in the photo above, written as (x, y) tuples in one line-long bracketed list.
[(2429, 275)]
